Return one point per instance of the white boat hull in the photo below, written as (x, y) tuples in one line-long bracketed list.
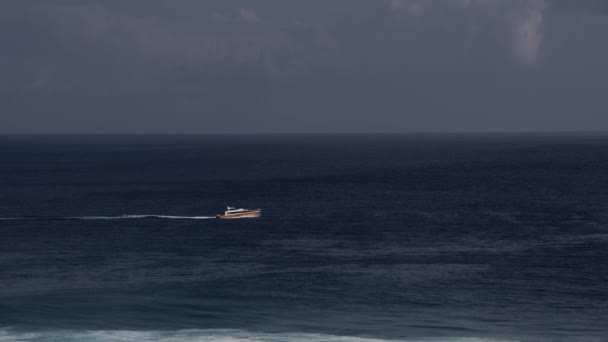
[(247, 214)]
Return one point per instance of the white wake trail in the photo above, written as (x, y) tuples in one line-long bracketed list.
[(127, 217), (121, 217)]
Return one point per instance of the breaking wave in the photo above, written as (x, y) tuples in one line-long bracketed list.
[(199, 336)]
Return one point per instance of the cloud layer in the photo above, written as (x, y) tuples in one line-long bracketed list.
[(241, 35), (297, 65)]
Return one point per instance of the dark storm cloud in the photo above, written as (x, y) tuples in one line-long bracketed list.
[(231, 37), (288, 65)]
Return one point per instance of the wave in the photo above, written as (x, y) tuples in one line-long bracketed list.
[(198, 335), (121, 217)]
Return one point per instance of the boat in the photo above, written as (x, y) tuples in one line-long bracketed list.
[(234, 213)]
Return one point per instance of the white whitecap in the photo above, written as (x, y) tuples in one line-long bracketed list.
[(197, 336)]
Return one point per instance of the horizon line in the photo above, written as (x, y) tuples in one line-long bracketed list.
[(574, 132)]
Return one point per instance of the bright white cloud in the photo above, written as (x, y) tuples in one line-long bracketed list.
[(527, 31)]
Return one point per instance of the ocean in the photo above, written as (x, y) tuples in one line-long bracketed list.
[(367, 238)]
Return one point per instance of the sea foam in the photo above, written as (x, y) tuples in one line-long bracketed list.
[(197, 336), (120, 217)]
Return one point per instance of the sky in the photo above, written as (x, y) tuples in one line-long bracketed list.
[(303, 66)]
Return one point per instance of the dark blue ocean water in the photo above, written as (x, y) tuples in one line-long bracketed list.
[(362, 238)]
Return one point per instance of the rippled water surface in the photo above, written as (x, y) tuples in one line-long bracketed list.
[(362, 238)]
